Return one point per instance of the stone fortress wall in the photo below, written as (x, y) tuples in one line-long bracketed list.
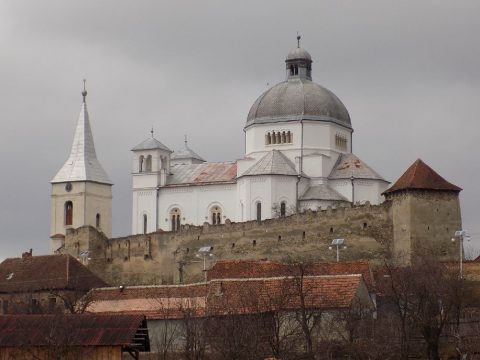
[(371, 232)]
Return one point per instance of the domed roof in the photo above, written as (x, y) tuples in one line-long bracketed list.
[(296, 99), (299, 53)]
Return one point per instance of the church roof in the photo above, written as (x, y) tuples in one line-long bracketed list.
[(82, 164), (201, 174), (322, 192), (186, 153), (150, 144), (273, 163), (349, 165), (420, 176), (298, 99)]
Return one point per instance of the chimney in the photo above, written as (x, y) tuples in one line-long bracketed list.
[(27, 255)]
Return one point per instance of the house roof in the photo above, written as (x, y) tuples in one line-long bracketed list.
[(272, 163), (420, 176), (322, 192), (229, 296), (82, 164), (155, 302), (238, 269), (201, 174), (246, 296), (77, 329), (349, 165), (48, 272)]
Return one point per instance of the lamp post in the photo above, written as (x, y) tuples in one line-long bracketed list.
[(205, 252), (338, 243), (461, 235)]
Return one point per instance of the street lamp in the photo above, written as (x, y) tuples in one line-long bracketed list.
[(461, 235), (338, 243), (205, 252)]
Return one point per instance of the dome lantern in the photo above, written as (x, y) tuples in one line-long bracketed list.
[(299, 63)]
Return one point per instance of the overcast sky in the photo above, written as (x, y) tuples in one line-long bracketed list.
[(407, 71)]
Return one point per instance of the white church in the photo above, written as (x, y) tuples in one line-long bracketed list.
[(298, 156)]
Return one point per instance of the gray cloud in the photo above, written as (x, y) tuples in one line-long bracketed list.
[(407, 71)]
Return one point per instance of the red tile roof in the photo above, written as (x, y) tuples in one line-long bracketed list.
[(49, 272), (246, 296), (77, 329), (237, 269), (420, 176), (155, 302), (228, 296)]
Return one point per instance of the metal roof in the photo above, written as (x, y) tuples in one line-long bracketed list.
[(322, 192), (272, 163), (82, 164), (150, 144), (186, 153), (200, 174), (298, 99), (349, 165), (298, 53)]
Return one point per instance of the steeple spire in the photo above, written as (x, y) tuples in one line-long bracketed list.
[(82, 164)]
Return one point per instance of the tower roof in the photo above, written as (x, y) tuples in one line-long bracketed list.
[(349, 165), (420, 176), (150, 144), (82, 164), (186, 153)]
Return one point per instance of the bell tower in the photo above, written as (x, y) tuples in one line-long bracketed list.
[(81, 190)]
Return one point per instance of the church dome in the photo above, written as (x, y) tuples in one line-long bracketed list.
[(298, 97)]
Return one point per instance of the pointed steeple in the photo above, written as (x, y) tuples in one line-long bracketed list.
[(82, 164)]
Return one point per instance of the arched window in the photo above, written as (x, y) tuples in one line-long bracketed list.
[(274, 139), (296, 69), (289, 138), (148, 163), (283, 209), (216, 215), (175, 215), (97, 221), (68, 213), (259, 211), (291, 70), (279, 138), (140, 163), (145, 223), (284, 138)]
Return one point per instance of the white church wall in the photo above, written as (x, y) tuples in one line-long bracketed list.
[(342, 186), (369, 190), (283, 190), (195, 203)]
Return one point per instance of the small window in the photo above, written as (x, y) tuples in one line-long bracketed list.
[(140, 163), (68, 213), (216, 215), (175, 216), (284, 137), (259, 211), (274, 138), (145, 223), (283, 209), (97, 221)]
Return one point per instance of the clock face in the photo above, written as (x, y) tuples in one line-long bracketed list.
[(68, 187)]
